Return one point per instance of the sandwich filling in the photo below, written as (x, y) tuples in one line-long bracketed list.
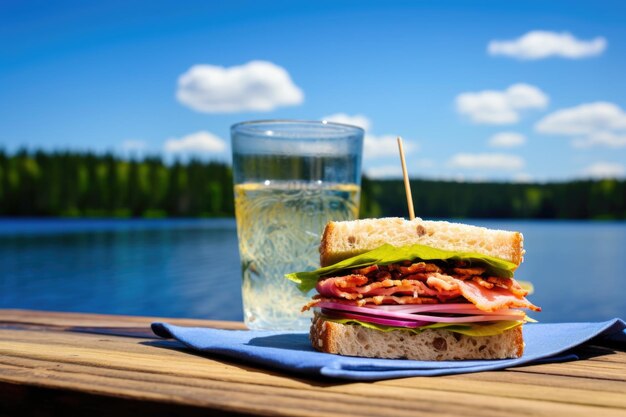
[(421, 283), (418, 287)]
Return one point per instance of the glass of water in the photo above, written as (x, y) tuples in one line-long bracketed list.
[(291, 178)]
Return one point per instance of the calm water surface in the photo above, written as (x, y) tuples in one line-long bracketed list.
[(190, 268)]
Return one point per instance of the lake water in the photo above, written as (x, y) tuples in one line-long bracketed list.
[(190, 268)]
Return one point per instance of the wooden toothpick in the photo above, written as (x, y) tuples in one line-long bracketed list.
[(407, 185)]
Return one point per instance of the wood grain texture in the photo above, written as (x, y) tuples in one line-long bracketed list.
[(62, 363)]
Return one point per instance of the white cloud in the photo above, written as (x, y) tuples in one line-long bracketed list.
[(540, 44), (134, 145), (590, 124), (500, 107), (374, 146), (602, 138), (199, 142), (583, 119), (255, 86), (395, 170), (604, 170), (487, 161), (507, 140), (355, 120), (384, 146)]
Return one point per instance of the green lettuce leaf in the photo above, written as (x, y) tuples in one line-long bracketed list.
[(469, 329), (389, 254)]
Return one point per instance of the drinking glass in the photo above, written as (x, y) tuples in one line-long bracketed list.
[(291, 178)]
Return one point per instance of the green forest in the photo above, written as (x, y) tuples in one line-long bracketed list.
[(75, 184)]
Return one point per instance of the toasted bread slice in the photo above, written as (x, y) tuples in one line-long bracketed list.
[(431, 344), (342, 240)]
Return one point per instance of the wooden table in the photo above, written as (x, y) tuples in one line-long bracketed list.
[(64, 364)]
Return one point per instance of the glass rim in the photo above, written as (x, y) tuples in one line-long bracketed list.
[(260, 122)]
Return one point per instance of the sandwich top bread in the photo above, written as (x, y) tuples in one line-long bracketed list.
[(342, 240), (425, 290)]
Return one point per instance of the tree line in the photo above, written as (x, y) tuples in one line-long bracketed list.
[(581, 199), (78, 184)]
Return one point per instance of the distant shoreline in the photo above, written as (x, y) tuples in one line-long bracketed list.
[(86, 185)]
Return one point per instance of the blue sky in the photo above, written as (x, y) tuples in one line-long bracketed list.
[(514, 91)]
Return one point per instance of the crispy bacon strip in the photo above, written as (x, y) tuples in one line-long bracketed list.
[(417, 268), (510, 284), (469, 271), (366, 270), (343, 287), (482, 282), (442, 282), (349, 281)]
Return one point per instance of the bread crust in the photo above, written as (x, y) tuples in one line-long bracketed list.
[(325, 252), (431, 344), (518, 248), (341, 240)]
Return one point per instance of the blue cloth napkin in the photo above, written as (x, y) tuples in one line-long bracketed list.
[(293, 352)]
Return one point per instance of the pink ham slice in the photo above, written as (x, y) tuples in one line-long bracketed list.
[(341, 287), (493, 299)]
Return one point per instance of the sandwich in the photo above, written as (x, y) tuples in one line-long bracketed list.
[(422, 290)]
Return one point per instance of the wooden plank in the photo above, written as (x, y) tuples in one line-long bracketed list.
[(586, 369), (362, 399), (544, 380), (128, 346), (55, 350), (532, 389), (225, 395), (16, 400), (43, 355), (66, 320)]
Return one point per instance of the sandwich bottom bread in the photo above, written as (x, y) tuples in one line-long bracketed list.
[(423, 290), (428, 345)]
